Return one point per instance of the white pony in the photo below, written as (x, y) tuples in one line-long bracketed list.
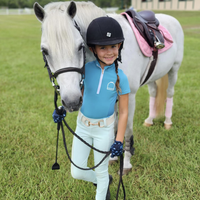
[(61, 42)]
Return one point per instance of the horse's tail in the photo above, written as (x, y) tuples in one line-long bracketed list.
[(161, 95)]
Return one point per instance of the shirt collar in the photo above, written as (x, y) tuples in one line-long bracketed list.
[(108, 66)]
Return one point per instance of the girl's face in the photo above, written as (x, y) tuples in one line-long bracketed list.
[(106, 53)]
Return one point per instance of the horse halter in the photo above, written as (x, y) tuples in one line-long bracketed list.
[(53, 76)]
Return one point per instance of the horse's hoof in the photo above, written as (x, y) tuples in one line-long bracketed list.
[(168, 126), (111, 162), (147, 124), (125, 171)]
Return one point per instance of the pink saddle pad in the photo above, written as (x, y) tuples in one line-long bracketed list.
[(144, 46)]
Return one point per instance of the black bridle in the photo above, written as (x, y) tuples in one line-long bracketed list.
[(52, 77)]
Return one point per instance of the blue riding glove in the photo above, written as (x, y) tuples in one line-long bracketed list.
[(59, 117), (116, 149)]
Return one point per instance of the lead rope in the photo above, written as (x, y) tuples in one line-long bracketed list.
[(120, 178), (107, 153)]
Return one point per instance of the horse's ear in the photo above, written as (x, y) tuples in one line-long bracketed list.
[(72, 9), (39, 11)]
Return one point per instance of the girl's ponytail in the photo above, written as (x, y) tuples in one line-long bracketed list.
[(118, 79)]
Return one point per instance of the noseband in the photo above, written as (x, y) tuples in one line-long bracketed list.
[(53, 76)]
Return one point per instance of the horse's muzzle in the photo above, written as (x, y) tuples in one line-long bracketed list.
[(73, 106)]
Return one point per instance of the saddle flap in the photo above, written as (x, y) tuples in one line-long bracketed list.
[(145, 48), (147, 25)]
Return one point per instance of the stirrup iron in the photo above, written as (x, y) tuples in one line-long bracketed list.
[(158, 44)]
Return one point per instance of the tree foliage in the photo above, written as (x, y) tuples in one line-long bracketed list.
[(29, 3)]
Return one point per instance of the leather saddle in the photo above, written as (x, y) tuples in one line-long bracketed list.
[(147, 24)]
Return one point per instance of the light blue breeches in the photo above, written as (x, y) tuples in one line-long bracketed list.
[(100, 138)]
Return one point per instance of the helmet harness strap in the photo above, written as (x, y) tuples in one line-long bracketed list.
[(119, 58)]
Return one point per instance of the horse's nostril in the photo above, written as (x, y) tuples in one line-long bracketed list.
[(63, 103)]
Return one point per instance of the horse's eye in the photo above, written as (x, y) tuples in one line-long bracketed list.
[(80, 47), (45, 51)]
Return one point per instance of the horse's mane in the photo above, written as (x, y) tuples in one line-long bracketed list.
[(57, 24), (86, 12)]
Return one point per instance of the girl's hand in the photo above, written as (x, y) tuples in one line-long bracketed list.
[(116, 149), (59, 117)]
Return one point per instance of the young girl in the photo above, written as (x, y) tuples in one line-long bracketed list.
[(104, 82)]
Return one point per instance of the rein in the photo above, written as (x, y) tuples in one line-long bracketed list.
[(52, 77), (107, 153), (60, 124)]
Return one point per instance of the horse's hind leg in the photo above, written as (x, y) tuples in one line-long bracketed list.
[(152, 109), (158, 95), (172, 78)]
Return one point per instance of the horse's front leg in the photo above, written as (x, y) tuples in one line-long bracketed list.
[(129, 140), (115, 159)]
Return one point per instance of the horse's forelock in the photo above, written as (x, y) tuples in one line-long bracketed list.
[(86, 12), (57, 29), (58, 26)]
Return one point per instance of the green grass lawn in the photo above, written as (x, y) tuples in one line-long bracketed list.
[(165, 164)]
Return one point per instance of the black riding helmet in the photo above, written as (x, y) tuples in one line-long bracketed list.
[(105, 31)]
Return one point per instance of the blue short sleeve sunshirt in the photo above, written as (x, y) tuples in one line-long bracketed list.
[(100, 93)]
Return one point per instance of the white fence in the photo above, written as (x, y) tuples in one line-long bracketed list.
[(18, 11), (28, 11), (111, 10)]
